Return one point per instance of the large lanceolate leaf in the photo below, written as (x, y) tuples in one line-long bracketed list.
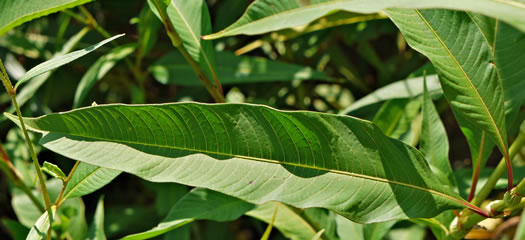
[(463, 59), (270, 15), (257, 154), (173, 69), (14, 13)]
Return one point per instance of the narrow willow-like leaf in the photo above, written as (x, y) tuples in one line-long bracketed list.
[(199, 204), (87, 179), (270, 15), (173, 69), (39, 230), (464, 62), (61, 60), (191, 20), (290, 223), (434, 142), (408, 88), (257, 154), (99, 69), (96, 231), (14, 13)]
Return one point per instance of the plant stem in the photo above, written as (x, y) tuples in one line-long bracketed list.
[(59, 199), (177, 42), (12, 93), (475, 175)]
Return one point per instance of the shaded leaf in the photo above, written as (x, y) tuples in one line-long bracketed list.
[(96, 231), (87, 179), (16, 230), (173, 69), (14, 13), (99, 69), (199, 204), (395, 118), (255, 148), (348, 230), (39, 230)]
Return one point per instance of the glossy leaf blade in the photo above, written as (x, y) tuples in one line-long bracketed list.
[(257, 154), (87, 179), (463, 60), (14, 13), (199, 204), (173, 69), (270, 15)]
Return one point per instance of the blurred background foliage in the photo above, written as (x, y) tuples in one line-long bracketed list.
[(342, 63)]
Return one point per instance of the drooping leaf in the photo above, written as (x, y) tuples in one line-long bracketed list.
[(87, 179), (199, 204), (469, 78), (434, 142), (409, 88), (39, 230), (14, 13), (253, 150), (173, 69), (96, 231), (290, 223), (270, 15), (60, 60), (98, 70)]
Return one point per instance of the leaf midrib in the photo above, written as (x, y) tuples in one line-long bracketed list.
[(469, 81), (351, 174)]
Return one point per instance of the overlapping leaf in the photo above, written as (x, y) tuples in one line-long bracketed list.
[(257, 154), (14, 13), (464, 62), (270, 15), (87, 179)]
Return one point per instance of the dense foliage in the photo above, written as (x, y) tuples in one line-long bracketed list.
[(264, 119)]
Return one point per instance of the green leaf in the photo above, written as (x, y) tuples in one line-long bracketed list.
[(409, 88), (318, 235), (58, 61), (290, 223), (269, 228), (173, 69), (270, 15), (199, 204), (348, 230), (191, 20), (16, 230), (99, 69), (323, 219), (396, 116), (257, 152), (87, 179), (53, 170), (469, 78), (434, 142), (148, 28), (14, 13), (96, 231), (39, 230)]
